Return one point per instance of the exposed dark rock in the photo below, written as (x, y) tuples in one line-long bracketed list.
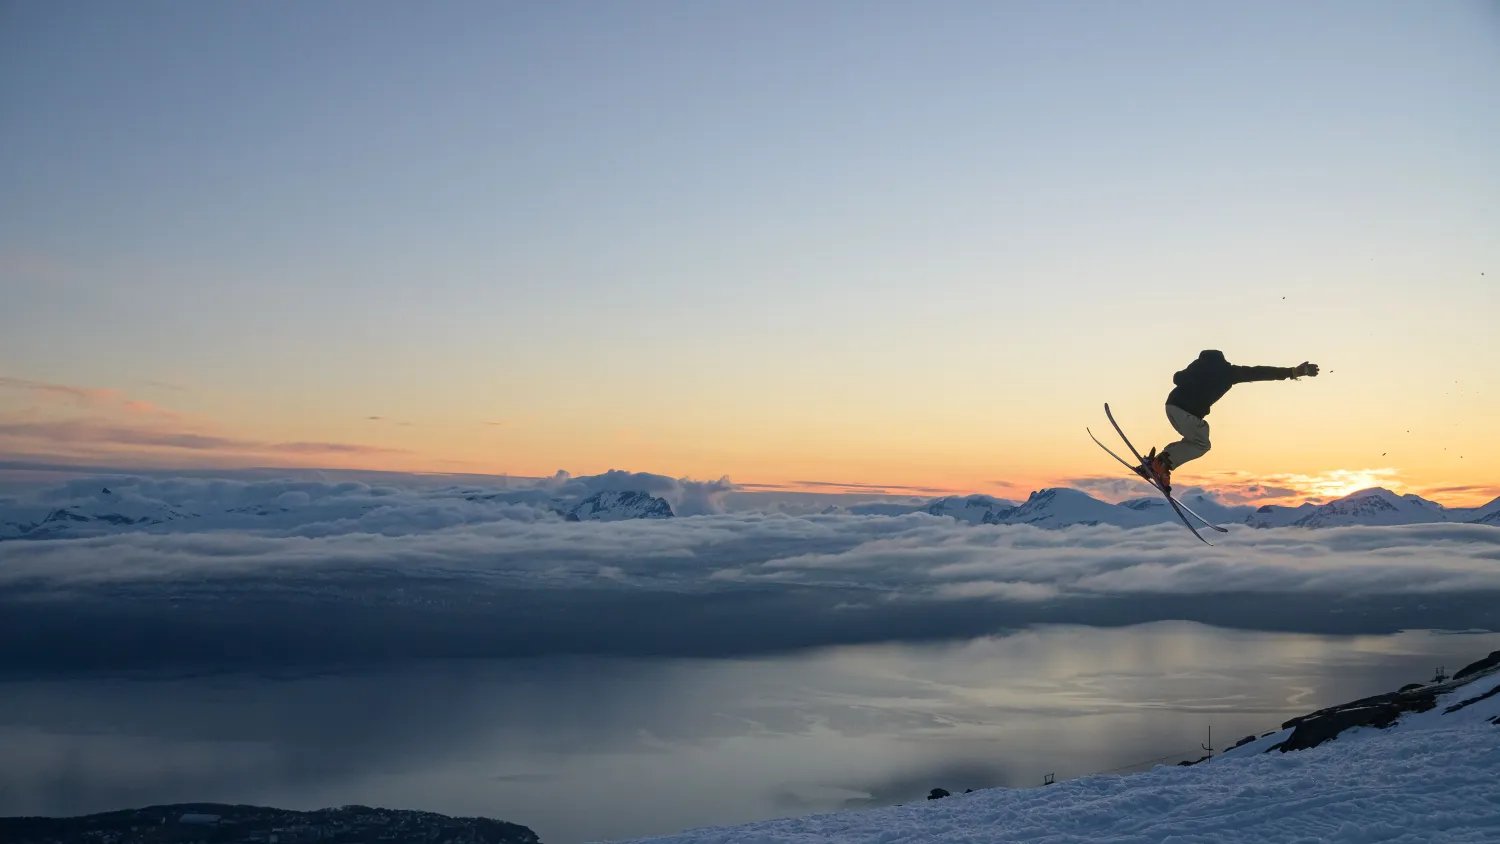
[(1381, 711), (1475, 667), (230, 823), (1313, 731), (937, 794), (1244, 741), (1477, 698)]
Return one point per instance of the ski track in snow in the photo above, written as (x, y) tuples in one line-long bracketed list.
[(1431, 777)]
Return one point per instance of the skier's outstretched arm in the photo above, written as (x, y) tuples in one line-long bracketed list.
[(1272, 373)]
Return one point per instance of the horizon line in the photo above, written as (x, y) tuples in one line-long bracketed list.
[(1086, 485)]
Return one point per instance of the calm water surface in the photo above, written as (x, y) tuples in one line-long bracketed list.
[(587, 749)]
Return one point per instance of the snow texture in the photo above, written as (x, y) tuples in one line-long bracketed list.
[(1055, 508), (610, 506), (1375, 506), (971, 509), (1431, 777)]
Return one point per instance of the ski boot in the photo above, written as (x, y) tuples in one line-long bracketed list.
[(1155, 469)]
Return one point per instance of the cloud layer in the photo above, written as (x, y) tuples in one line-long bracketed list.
[(358, 572)]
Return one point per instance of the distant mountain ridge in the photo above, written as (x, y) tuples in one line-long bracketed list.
[(1063, 506), (611, 506), (1373, 506), (110, 511), (90, 513), (974, 509), (106, 512)]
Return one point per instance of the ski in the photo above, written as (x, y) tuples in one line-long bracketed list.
[(1206, 522), (1126, 464), (1172, 498), (1176, 507)]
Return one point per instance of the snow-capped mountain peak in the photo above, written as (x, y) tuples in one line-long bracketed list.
[(1374, 506), (1061, 506), (100, 512), (612, 506), (1277, 515), (974, 509)]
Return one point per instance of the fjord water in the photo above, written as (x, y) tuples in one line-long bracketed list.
[(583, 749)]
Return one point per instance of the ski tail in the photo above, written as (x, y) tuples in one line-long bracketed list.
[(1170, 500), (1176, 507), (1178, 504), (1206, 522)]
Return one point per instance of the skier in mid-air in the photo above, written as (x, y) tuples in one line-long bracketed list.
[(1199, 385)]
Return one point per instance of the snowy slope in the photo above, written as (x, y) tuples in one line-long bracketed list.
[(1374, 506), (1060, 507), (1275, 515), (1204, 505), (1431, 777), (1488, 514), (1472, 695), (972, 509), (612, 506), (104, 511)]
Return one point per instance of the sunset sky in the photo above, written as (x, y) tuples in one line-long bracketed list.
[(889, 243)]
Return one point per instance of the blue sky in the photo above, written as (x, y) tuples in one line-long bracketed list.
[(902, 242)]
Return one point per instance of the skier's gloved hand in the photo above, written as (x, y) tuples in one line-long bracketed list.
[(1305, 368)]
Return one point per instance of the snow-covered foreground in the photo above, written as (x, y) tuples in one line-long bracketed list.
[(1433, 776)]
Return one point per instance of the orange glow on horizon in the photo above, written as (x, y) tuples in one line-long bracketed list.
[(1234, 487), (920, 457)]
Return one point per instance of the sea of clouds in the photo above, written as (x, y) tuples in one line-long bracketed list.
[(256, 572)]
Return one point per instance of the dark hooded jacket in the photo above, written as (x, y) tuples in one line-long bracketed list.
[(1208, 378)]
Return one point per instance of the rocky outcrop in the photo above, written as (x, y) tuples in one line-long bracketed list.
[(1478, 665), (1381, 711), (1471, 701), (1312, 730), (235, 824)]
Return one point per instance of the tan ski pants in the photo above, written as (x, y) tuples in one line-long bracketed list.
[(1194, 442)]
